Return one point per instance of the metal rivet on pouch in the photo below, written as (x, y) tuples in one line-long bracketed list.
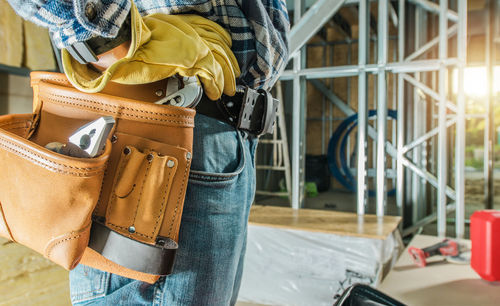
[(170, 163), (114, 139), (150, 157), (188, 156), (159, 93), (131, 229), (126, 151)]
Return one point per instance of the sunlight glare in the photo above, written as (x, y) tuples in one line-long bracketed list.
[(476, 81)]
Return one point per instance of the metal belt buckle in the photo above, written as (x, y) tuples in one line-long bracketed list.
[(258, 112), (81, 51)]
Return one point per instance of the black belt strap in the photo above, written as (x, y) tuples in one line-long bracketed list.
[(132, 254)]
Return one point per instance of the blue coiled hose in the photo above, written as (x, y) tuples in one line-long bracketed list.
[(341, 172)]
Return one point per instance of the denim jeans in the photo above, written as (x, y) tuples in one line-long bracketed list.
[(212, 238)]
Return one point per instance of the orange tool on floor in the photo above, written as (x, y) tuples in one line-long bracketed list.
[(445, 248)]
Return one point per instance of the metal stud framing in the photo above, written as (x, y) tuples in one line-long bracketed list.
[(408, 70)]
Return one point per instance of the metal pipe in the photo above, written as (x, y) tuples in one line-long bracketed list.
[(382, 106), (401, 111), (362, 106), (353, 70), (426, 136), (346, 109), (323, 112), (348, 98), (428, 91), (423, 49), (442, 135), (433, 7), (394, 105), (417, 119), (490, 103), (460, 133), (429, 177), (315, 17), (296, 199)]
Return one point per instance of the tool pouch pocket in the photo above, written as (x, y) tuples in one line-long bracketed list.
[(120, 212), (148, 189), (141, 189), (46, 199)]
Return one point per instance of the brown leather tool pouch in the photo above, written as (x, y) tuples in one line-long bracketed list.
[(130, 197)]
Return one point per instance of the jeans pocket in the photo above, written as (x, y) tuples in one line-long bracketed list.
[(218, 153), (87, 284)]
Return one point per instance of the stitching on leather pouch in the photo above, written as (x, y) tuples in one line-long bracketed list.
[(61, 241), (161, 208), (29, 151), (179, 199), (113, 200), (163, 201), (98, 205), (99, 202), (190, 123), (113, 106), (72, 235), (124, 228), (17, 128), (140, 194), (113, 195), (96, 168), (6, 224), (54, 79), (12, 123), (89, 171)]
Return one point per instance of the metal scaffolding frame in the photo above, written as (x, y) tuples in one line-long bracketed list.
[(410, 70)]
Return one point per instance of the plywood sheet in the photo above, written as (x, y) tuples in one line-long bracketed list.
[(440, 283), (340, 223)]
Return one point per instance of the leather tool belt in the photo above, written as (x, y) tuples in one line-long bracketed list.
[(119, 212)]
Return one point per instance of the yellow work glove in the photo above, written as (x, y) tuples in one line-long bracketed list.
[(161, 46)]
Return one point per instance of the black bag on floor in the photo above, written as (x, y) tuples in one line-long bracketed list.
[(363, 295)]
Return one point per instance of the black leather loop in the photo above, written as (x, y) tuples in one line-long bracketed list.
[(250, 110), (152, 259)]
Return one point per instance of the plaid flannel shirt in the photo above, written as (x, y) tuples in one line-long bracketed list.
[(258, 28)]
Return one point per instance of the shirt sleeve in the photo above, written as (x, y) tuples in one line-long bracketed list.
[(71, 21), (271, 26)]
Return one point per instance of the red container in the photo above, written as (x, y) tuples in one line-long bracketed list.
[(485, 238)]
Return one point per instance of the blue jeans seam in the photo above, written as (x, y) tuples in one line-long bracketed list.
[(92, 295), (221, 177)]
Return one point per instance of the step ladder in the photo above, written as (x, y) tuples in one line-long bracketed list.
[(279, 143)]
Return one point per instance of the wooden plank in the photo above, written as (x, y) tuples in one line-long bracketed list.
[(439, 283), (26, 278), (332, 222)]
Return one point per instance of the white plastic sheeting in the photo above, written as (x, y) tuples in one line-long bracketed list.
[(294, 267)]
